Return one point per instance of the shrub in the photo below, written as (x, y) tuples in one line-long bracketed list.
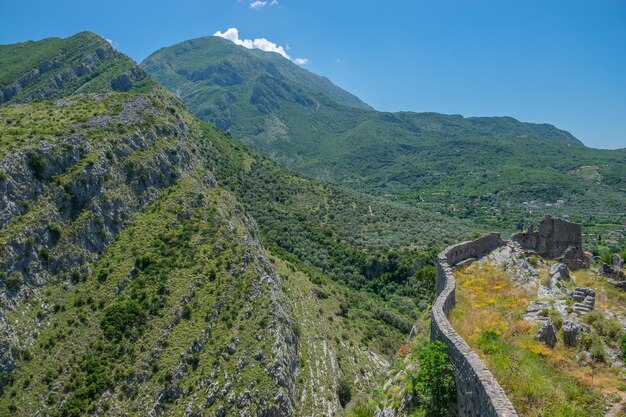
[(433, 382), (556, 318), (186, 314), (123, 319), (103, 274), (36, 163), (363, 410), (597, 350), (533, 260), (622, 345), (55, 232), (14, 281), (44, 254), (344, 392), (606, 258)]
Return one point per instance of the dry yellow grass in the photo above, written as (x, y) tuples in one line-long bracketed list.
[(487, 300), (539, 380)]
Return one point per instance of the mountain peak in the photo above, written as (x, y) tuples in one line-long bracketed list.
[(55, 67), (218, 63)]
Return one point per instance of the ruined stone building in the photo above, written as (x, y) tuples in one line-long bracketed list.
[(555, 239)]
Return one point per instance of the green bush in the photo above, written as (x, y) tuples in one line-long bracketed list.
[(37, 163), (123, 319), (597, 350), (55, 232), (363, 410), (433, 382), (14, 281), (344, 392), (622, 345)]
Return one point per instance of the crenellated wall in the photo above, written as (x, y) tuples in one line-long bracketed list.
[(478, 392)]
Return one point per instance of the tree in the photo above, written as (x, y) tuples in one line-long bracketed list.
[(433, 382)]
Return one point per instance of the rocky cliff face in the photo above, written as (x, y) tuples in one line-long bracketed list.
[(114, 237)]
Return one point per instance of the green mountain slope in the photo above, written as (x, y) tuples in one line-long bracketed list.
[(500, 172), (151, 262), (226, 73), (55, 67)]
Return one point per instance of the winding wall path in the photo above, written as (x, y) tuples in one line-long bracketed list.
[(478, 392)]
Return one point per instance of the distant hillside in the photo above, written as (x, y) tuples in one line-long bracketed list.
[(215, 74), (496, 170), (55, 67)]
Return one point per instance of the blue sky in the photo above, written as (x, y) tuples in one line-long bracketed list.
[(558, 62)]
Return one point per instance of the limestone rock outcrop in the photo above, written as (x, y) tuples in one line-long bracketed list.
[(560, 271), (537, 311), (511, 259), (547, 333), (585, 300), (614, 273), (572, 329)]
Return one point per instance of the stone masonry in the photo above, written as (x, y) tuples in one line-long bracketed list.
[(555, 239), (478, 392)]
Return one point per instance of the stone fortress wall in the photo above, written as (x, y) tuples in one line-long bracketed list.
[(478, 392)]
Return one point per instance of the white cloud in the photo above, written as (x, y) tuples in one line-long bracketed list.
[(232, 34), (109, 41), (258, 4)]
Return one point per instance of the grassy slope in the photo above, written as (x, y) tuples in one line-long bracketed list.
[(538, 380), (479, 168)]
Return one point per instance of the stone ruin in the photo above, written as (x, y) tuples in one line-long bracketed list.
[(614, 273), (478, 392), (555, 239)]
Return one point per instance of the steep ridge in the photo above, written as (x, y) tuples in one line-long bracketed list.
[(496, 170), (54, 67), (118, 245)]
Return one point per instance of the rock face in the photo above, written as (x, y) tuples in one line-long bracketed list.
[(614, 273), (574, 259), (555, 288), (560, 271), (585, 300), (71, 203), (511, 258), (547, 333), (537, 311), (572, 330), (82, 63)]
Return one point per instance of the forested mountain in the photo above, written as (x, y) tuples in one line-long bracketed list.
[(495, 170), (153, 264)]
